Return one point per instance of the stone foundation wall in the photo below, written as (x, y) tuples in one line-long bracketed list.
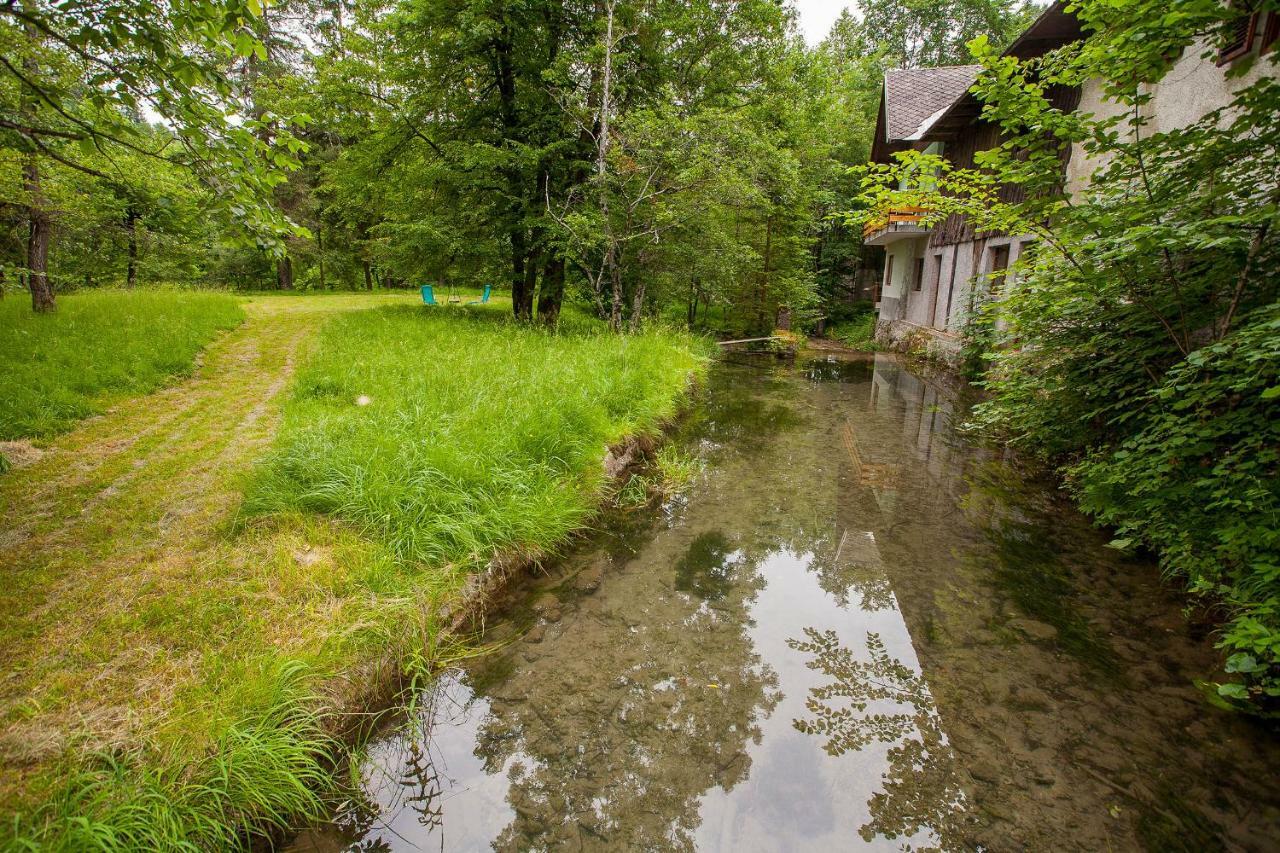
[(935, 345)]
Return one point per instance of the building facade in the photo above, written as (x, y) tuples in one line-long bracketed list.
[(934, 277)]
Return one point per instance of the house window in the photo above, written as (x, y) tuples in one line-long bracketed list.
[(918, 278), (1271, 31), (888, 273), (1239, 33), (999, 263)]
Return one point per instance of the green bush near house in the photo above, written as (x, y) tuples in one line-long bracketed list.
[(855, 326), (1199, 482), (99, 346)]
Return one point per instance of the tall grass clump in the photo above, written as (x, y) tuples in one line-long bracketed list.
[(98, 346), (452, 435), (263, 773)]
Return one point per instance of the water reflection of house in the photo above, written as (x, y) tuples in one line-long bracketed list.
[(933, 276)]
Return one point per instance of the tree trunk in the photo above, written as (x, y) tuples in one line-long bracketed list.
[(131, 227), (39, 229), (320, 250), (763, 326), (284, 273), (637, 306), (525, 309), (615, 292), (519, 257), (368, 274), (551, 296)]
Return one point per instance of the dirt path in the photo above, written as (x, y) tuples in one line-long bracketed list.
[(122, 586)]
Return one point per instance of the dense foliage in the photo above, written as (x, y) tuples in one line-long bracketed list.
[(639, 159), (1137, 347)]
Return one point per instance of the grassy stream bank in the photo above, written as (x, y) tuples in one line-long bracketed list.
[(205, 580)]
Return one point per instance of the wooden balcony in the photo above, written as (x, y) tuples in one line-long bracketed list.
[(895, 223)]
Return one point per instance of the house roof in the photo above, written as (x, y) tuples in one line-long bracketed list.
[(915, 97), (935, 103), (1054, 28)]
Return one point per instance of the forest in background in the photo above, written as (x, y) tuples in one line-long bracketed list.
[(639, 158)]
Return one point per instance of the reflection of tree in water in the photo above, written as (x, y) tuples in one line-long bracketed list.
[(1028, 561), (920, 788), (841, 577), (707, 568), (410, 773), (610, 741)]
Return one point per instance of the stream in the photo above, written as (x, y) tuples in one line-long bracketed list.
[(852, 630)]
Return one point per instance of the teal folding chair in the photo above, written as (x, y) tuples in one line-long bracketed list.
[(483, 300), (428, 295)]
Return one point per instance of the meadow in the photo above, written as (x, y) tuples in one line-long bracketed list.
[(209, 583), (454, 435), (98, 347)]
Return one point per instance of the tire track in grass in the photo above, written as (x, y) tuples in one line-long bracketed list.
[(112, 538)]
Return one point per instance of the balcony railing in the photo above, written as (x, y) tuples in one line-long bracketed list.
[(892, 217)]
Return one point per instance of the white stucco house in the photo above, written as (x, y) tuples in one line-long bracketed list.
[(929, 275)]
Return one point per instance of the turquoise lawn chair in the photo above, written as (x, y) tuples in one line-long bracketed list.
[(483, 300), (428, 295)]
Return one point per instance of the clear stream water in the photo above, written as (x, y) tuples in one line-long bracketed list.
[(852, 631)]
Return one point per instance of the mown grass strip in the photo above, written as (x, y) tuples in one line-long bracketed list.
[(479, 437), (99, 346)]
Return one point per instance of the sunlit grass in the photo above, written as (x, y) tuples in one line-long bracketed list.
[(97, 347)]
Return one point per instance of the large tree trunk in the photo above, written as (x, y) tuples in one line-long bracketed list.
[(131, 227), (525, 310), (284, 273), (519, 257), (39, 229), (551, 295), (368, 273)]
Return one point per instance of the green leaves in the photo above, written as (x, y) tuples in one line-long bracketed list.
[(94, 67), (1139, 348)]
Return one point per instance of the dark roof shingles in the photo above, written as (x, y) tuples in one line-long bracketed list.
[(912, 96)]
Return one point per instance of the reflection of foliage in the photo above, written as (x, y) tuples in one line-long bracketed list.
[(920, 787), (707, 568), (841, 578), (609, 741), (736, 415), (858, 683), (1028, 568), (421, 783), (839, 370), (1025, 558)]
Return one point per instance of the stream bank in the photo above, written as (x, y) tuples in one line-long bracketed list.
[(853, 630)]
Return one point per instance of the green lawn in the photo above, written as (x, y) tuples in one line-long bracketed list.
[(99, 346), (207, 582)]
